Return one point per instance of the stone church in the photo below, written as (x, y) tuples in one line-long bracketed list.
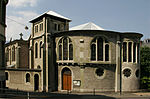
[(82, 58)]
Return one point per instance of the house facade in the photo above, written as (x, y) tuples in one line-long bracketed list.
[(83, 58), (3, 4)]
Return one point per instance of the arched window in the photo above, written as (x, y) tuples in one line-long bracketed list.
[(93, 52), (106, 52), (6, 75), (40, 49), (65, 48), (70, 52), (134, 52), (98, 46), (13, 53), (36, 50), (60, 52), (7, 55), (27, 77), (129, 51), (124, 51)]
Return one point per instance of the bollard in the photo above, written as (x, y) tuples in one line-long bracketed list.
[(94, 91), (28, 95)]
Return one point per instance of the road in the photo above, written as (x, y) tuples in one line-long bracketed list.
[(74, 97)]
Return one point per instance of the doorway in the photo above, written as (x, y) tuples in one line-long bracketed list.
[(36, 82), (66, 79)]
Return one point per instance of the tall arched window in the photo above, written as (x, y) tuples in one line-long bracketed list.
[(98, 46), (60, 52), (7, 55), (93, 52), (106, 52), (124, 51), (134, 52), (36, 50), (27, 77), (13, 53), (40, 49), (65, 48), (130, 52), (70, 52)]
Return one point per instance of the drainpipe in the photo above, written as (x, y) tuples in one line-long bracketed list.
[(120, 66)]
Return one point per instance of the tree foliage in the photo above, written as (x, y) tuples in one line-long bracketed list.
[(145, 67)]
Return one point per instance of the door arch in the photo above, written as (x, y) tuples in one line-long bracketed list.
[(66, 79), (36, 82)]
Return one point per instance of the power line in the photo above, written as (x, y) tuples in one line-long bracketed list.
[(26, 28)]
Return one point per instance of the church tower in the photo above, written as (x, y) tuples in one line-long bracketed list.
[(3, 4), (42, 46)]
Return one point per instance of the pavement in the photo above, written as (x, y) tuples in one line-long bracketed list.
[(75, 95)]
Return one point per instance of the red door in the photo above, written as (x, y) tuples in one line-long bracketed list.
[(66, 79)]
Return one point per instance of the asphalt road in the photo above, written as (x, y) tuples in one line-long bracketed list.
[(73, 97)]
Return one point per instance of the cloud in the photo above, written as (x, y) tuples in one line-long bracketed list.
[(22, 3), (27, 14), (16, 24)]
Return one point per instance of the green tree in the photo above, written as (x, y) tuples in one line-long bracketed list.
[(145, 68)]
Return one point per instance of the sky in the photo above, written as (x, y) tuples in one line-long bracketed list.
[(112, 15)]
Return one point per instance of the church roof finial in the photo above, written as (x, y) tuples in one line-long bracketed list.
[(21, 35)]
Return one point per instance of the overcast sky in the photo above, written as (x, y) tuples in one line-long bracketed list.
[(115, 15)]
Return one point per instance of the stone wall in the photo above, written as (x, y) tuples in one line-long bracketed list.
[(17, 80), (89, 79)]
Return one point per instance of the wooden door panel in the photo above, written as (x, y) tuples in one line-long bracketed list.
[(66, 82)]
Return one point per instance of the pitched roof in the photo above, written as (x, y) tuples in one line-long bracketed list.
[(52, 13), (87, 26), (57, 15)]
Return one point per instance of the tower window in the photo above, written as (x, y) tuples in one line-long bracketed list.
[(36, 29), (59, 27), (36, 50), (40, 49), (55, 27), (41, 27)]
